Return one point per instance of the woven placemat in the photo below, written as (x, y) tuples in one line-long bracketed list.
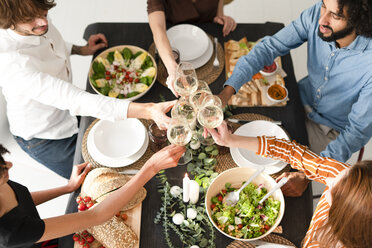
[(207, 72), (271, 238), (225, 161), (135, 166)]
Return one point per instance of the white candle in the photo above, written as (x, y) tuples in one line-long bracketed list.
[(193, 191), (185, 186)]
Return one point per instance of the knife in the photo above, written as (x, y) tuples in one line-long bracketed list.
[(257, 243), (129, 172), (246, 121)]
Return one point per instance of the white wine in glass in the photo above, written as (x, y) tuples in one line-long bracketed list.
[(183, 109), (179, 132), (186, 80), (210, 116), (198, 96)]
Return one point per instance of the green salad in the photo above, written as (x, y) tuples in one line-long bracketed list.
[(122, 74), (247, 219)]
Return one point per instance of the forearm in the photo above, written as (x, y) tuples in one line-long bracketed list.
[(249, 143), (220, 8), (140, 110), (42, 196), (226, 94), (158, 28), (79, 50), (70, 223)]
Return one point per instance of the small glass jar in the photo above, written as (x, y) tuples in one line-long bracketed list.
[(158, 138)]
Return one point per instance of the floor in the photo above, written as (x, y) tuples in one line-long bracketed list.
[(71, 17)]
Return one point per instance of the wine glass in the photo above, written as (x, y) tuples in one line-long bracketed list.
[(183, 109), (209, 116), (179, 133), (202, 91), (186, 80), (212, 100)]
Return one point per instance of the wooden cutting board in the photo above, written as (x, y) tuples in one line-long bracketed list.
[(133, 221), (252, 93)]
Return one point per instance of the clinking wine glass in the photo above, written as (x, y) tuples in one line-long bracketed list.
[(210, 115), (201, 92), (180, 133), (183, 109), (186, 80)]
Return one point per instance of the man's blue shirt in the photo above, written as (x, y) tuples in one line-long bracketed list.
[(338, 87)]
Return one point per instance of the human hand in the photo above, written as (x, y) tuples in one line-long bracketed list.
[(77, 176), (226, 94), (165, 158), (95, 42), (170, 83), (158, 113), (222, 136), (296, 185), (228, 23)]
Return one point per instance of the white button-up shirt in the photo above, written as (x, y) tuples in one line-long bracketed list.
[(35, 76)]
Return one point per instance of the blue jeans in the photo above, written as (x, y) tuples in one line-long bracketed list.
[(57, 155)]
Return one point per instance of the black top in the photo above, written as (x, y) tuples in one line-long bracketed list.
[(21, 226)]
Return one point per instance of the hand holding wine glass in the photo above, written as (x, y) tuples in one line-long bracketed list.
[(186, 80), (179, 133)]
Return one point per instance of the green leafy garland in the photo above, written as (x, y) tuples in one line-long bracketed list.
[(190, 232)]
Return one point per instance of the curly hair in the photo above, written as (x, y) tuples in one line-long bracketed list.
[(359, 14), (3, 150), (13, 12)]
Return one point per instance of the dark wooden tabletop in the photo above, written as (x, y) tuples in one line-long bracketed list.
[(298, 211)]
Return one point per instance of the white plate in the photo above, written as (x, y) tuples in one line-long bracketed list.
[(190, 40), (246, 158), (119, 139), (202, 60), (114, 162)]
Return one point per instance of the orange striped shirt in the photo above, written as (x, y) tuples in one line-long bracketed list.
[(315, 167)]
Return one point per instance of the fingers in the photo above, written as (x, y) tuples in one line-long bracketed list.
[(99, 46), (80, 167), (169, 105), (212, 132), (169, 83), (93, 39), (86, 170), (218, 20)]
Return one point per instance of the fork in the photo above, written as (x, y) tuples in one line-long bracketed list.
[(216, 63)]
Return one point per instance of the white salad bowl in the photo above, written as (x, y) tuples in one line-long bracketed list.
[(236, 177), (134, 49)]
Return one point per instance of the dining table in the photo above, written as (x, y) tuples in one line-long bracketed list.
[(298, 210)]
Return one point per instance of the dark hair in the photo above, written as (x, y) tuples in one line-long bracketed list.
[(3, 150), (13, 12), (359, 14), (350, 216)]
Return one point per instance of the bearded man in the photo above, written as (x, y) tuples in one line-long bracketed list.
[(337, 93)]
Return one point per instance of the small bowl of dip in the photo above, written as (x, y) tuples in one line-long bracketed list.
[(277, 93), (269, 70)]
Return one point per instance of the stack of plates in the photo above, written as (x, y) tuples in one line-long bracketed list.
[(246, 158), (117, 144), (192, 43)]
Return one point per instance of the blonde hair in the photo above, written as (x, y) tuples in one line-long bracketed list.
[(350, 215)]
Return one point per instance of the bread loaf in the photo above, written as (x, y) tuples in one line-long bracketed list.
[(114, 233)]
